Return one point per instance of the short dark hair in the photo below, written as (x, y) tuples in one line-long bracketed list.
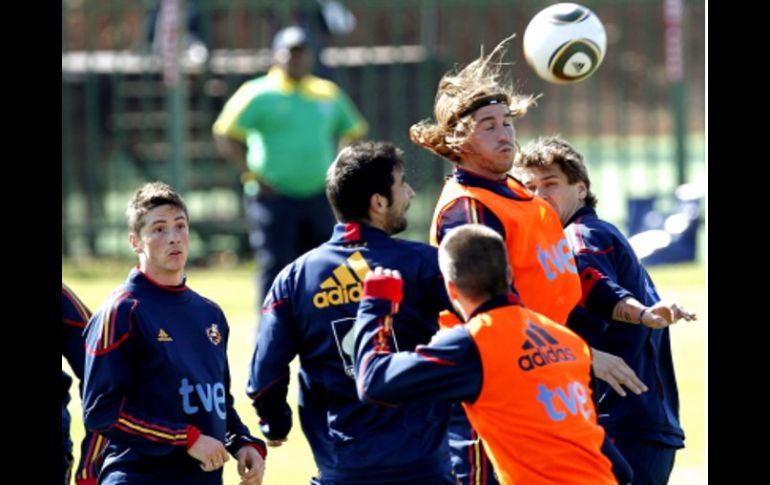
[(146, 198), (474, 258), (361, 170), (544, 152)]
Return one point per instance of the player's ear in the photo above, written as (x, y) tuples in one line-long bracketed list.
[(378, 203), (135, 241), (582, 190)]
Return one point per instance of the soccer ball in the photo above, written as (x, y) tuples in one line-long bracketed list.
[(565, 43)]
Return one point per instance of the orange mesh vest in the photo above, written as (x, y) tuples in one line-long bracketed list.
[(535, 414), (544, 269)]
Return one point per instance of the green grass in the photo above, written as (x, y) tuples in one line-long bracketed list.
[(233, 289)]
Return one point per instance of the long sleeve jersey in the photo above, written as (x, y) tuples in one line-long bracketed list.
[(310, 311), (523, 379), (611, 271), (74, 316), (156, 371)]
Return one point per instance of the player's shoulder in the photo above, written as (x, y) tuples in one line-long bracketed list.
[(71, 303), (286, 279), (120, 302), (113, 317), (589, 227), (320, 88), (207, 302), (253, 88)]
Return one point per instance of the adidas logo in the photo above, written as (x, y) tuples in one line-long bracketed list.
[(345, 285), (164, 337), (578, 66), (545, 349)]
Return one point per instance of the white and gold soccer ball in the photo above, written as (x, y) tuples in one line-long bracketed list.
[(565, 43)]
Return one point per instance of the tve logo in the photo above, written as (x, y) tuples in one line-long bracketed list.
[(558, 257), (211, 396), (574, 399)]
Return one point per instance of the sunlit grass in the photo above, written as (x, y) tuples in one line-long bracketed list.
[(233, 289)]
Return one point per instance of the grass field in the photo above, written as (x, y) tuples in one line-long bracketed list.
[(293, 464)]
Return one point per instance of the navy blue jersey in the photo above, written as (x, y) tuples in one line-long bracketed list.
[(610, 271), (310, 311), (156, 365), (74, 316)]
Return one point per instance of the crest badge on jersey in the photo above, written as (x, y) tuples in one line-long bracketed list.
[(214, 334)]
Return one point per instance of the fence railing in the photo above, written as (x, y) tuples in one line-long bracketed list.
[(121, 125)]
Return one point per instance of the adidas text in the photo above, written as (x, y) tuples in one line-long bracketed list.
[(544, 356), (338, 296)]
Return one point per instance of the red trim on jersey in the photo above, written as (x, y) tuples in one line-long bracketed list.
[(432, 359), (352, 231), (73, 323), (257, 394), (588, 278), (177, 289), (261, 450), (193, 434), (273, 306)]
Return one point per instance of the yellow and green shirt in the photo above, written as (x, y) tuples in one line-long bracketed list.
[(290, 128)]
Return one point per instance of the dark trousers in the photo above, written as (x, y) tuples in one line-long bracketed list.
[(281, 228), (652, 463)]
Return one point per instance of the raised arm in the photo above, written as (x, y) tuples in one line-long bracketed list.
[(276, 346), (448, 368)]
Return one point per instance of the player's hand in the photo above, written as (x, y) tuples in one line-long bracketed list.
[(251, 465), (393, 273), (210, 452), (663, 314), (614, 371)]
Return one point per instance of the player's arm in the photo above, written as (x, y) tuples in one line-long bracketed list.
[(276, 346), (350, 125), (75, 316), (448, 368), (589, 319), (91, 449), (586, 324), (597, 263), (232, 150), (465, 210), (109, 377), (230, 127), (237, 435), (247, 449)]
